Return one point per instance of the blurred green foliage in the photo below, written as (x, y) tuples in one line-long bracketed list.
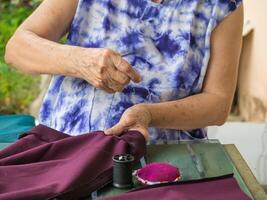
[(17, 90)]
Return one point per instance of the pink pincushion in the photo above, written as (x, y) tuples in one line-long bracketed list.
[(157, 172)]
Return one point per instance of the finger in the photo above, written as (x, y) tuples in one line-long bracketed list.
[(121, 78), (100, 84), (112, 82), (97, 81), (103, 73), (106, 89), (124, 124), (123, 66), (115, 130)]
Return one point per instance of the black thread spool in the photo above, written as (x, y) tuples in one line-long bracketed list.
[(122, 170)]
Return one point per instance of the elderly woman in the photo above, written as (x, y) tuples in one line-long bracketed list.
[(165, 68)]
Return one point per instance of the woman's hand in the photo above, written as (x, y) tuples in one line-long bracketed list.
[(136, 118), (35, 44), (104, 69)]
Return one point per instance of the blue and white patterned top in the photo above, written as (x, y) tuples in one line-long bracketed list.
[(167, 43)]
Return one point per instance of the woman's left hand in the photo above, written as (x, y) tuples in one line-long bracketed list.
[(136, 118)]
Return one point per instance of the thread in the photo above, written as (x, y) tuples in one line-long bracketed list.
[(122, 170)]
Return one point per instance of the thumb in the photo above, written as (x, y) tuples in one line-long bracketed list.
[(123, 66), (115, 130)]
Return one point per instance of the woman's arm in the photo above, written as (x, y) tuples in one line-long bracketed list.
[(34, 49), (211, 107)]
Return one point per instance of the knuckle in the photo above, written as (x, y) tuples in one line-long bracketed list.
[(99, 84), (125, 80), (102, 62), (118, 61), (120, 89), (127, 69), (117, 88), (107, 52), (102, 70), (128, 119)]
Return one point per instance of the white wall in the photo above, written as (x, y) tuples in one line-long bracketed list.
[(252, 82), (251, 141)]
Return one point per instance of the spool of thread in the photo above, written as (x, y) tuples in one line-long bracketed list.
[(122, 170)]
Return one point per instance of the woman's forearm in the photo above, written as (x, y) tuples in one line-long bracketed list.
[(196, 111), (32, 54)]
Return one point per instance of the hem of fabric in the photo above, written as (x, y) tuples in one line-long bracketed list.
[(184, 182)]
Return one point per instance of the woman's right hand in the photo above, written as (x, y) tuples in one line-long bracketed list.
[(104, 69), (35, 44)]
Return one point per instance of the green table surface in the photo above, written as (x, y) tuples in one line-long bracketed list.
[(214, 158)]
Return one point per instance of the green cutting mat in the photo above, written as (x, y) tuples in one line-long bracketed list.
[(213, 156)]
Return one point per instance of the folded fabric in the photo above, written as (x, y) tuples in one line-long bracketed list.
[(46, 164), (219, 188)]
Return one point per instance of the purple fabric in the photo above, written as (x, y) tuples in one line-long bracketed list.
[(219, 189), (47, 164), (157, 172)]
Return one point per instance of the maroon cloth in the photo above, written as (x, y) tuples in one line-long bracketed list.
[(225, 188), (46, 164)]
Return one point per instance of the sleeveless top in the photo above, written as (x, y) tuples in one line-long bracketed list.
[(168, 43)]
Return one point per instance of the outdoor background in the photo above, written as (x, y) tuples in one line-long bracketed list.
[(246, 128), (17, 90)]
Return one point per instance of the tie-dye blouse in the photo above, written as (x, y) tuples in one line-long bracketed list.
[(168, 43)]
